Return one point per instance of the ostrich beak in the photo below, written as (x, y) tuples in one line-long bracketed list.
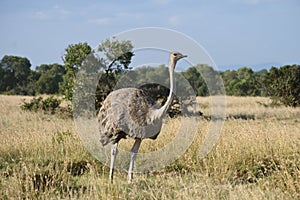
[(184, 56)]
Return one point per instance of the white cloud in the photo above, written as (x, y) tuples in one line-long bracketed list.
[(129, 16), (60, 11), (52, 13), (117, 18), (41, 15), (100, 21)]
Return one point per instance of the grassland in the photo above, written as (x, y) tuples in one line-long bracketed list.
[(256, 157)]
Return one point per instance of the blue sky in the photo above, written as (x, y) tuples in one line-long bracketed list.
[(254, 33)]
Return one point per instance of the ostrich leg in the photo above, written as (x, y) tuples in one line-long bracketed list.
[(133, 154), (114, 152)]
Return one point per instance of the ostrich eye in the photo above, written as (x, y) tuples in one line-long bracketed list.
[(175, 54)]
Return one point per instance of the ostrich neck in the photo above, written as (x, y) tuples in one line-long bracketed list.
[(164, 108)]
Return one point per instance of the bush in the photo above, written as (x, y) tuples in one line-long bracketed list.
[(33, 105), (283, 85), (49, 105)]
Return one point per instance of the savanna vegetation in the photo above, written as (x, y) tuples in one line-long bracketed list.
[(256, 157), (42, 156)]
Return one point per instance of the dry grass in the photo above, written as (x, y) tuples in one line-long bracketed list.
[(42, 157)]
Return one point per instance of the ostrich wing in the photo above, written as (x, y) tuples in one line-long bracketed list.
[(128, 111)]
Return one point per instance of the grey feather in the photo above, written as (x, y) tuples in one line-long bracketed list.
[(128, 111)]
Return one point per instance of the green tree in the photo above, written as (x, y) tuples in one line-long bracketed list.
[(204, 80), (196, 81), (243, 82), (32, 82), (283, 84), (113, 57), (6, 80), (247, 85), (15, 71), (50, 77), (212, 83), (230, 79), (74, 55), (114, 61), (117, 54)]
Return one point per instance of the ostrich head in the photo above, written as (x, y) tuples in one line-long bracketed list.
[(174, 57)]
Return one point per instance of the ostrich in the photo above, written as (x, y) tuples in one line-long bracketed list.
[(131, 112)]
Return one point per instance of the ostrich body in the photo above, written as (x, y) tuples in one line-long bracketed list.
[(131, 112)]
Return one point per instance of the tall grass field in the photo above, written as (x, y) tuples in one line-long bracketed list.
[(256, 157)]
